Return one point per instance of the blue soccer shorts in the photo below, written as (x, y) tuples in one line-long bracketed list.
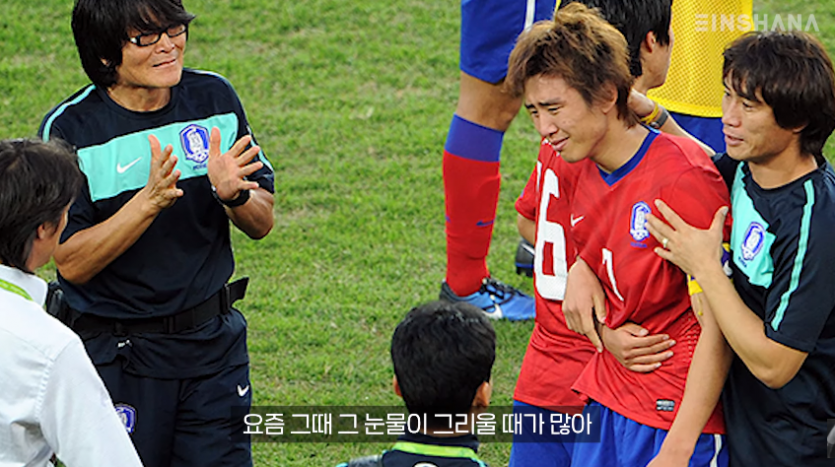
[(627, 443), (541, 451), (489, 29)]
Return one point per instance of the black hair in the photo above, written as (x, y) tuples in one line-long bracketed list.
[(38, 180), (100, 28), (634, 19), (794, 76), (580, 47), (442, 353)]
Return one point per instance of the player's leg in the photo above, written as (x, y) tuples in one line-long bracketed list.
[(540, 450), (471, 179), (148, 408), (471, 187), (474, 141), (207, 432)]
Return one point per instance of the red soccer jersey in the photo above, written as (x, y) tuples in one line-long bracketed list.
[(555, 355), (613, 239)]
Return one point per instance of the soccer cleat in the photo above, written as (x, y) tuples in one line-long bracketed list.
[(524, 258), (497, 299)]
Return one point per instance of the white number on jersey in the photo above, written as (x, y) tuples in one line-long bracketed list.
[(551, 287), (609, 261)]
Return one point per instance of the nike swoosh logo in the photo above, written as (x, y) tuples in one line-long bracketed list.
[(575, 220), (242, 391), (497, 312), (121, 169)]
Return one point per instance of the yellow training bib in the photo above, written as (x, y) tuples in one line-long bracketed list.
[(702, 31)]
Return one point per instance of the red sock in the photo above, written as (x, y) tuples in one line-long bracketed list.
[(471, 189)]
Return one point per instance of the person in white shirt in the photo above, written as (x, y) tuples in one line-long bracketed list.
[(52, 402)]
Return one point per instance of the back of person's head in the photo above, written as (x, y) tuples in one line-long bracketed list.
[(442, 354), (792, 74), (635, 19), (100, 28), (38, 180), (580, 47)]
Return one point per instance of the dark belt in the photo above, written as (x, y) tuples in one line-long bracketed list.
[(215, 305)]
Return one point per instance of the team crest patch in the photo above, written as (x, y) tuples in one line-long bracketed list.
[(638, 223), (195, 141), (127, 414), (753, 241)]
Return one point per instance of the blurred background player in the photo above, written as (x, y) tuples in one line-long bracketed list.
[(443, 355), (575, 78), (52, 401), (473, 146), (556, 355), (693, 91), (146, 255)]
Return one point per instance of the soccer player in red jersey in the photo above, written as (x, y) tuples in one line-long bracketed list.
[(646, 27), (574, 75)]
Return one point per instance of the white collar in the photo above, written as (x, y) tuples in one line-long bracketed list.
[(32, 284)]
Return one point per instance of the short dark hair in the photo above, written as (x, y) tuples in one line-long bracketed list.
[(794, 76), (634, 19), (580, 47), (38, 180), (442, 353), (100, 28)]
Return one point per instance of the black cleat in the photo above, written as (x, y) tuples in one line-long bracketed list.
[(524, 258)]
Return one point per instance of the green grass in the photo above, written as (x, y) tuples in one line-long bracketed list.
[(351, 102)]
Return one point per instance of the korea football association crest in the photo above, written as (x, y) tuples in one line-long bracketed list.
[(127, 415), (753, 241), (195, 141), (638, 221)]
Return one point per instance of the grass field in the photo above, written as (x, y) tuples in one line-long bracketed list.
[(351, 102)]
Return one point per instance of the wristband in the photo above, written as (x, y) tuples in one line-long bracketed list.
[(652, 115), (242, 198), (693, 287), (661, 119)]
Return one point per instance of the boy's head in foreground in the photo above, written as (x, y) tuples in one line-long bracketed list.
[(442, 354)]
